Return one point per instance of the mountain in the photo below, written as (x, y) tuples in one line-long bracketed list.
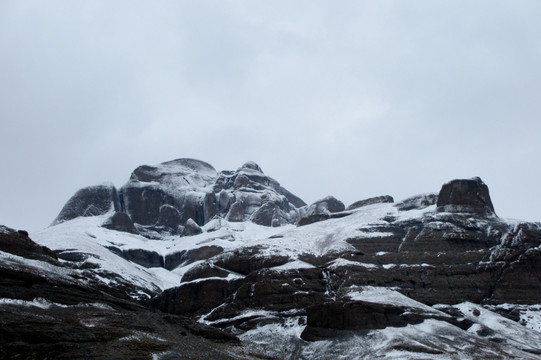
[(245, 269)]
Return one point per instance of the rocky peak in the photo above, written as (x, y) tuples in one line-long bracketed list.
[(328, 204), (179, 172), (90, 201), (465, 196), (250, 165), (163, 198)]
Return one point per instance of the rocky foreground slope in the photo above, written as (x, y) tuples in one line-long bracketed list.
[(239, 258)]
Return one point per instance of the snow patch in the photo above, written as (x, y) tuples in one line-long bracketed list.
[(390, 296), (344, 262)]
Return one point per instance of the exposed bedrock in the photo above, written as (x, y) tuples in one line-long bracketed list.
[(90, 201), (120, 222), (371, 201), (332, 318), (465, 196)]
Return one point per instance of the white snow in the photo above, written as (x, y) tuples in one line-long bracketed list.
[(414, 213), (344, 262), (296, 264), (508, 330), (383, 295), (46, 304), (531, 318), (41, 268), (283, 337), (140, 336), (4, 230), (37, 302), (86, 235)]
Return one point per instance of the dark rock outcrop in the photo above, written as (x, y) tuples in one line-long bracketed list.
[(417, 202), (328, 204), (320, 210), (324, 319), (120, 222), (437, 258), (191, 228), (204, 270), (185, 257), (194, 297), (18, 243), (169, 216), (160, 199), (90, 201), (46, 313), (371, 201), (467, 196), (142, 257), (310, 219)]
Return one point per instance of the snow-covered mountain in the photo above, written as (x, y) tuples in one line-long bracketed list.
[(435, 276)]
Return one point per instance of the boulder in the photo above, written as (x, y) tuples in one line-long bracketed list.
[(236, 212), (328, 204), (120, 222), (269, 214), (191, 228), (320, 210)]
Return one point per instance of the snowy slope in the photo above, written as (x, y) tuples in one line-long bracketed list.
[(280, 334), (85, 234)]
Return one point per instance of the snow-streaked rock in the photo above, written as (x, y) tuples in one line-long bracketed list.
[(223, 248)]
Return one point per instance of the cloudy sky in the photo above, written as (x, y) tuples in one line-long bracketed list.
[(350, 98)]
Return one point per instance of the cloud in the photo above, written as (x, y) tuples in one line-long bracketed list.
[(355, 99)]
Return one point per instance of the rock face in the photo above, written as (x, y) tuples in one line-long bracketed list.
[(48, 314), (430, 264), (90, 201), (327, 205), (164, 198), (120, 222), (323, 320), (442, 257), (371, 201), (417, 202), (18, 243), (466, 196), (320, 210)]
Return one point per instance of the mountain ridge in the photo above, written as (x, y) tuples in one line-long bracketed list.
[(311, 281)]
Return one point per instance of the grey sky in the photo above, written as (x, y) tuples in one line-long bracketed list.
[(350, 98)]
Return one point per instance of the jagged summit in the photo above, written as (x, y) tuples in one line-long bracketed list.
[(161, 199), (251, 165)]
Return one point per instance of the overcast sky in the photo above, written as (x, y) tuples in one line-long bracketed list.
[(350, 98)]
